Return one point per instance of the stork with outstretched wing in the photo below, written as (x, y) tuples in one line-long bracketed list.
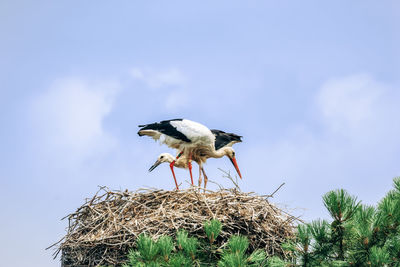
[(193, 140)]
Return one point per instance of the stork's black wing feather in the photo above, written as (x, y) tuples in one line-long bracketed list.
[(166, 128), (222, 138)]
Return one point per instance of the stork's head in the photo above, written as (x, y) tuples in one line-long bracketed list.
[(230, 153), (163, 157)]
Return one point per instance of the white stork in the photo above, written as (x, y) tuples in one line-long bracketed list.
[(189, 138), (222, 141)]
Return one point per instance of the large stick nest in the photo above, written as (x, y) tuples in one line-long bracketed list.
[(107, 225)]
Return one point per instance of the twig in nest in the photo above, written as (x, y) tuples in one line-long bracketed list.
[(228, 175), (220, 186), (272, 195), (276, 190)]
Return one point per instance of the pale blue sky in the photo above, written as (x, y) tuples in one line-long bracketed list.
[(313, 88)]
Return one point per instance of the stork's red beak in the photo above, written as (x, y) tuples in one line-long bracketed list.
[(233, 160)]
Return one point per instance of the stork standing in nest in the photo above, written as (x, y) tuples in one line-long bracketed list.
[(192, 140), (222, 141)]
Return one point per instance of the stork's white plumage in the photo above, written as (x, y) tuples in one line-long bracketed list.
[(180, 134), (223, 143), (184, 135), (189, 138)]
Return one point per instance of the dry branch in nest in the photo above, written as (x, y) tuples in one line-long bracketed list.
[(107, 225)]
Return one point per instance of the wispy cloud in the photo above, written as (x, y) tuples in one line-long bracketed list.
[(357, 114), (176, 100), (68, 119), (351, 104), (169, 85), (158, 79)]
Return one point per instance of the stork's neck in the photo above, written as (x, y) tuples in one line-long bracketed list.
[(219, 153), (170, 158)]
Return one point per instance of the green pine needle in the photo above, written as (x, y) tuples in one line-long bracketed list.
[(181, 238), (340, 204), (147, 248), (212, 229), (379, 256), (165, 246), (180, 260), (258, 256), (238, 244), (232, 260), (276, 262)]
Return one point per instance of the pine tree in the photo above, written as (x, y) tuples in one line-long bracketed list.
[(358, 235), (341, 206)]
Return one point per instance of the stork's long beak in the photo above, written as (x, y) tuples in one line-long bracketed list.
[(155, 165), (233, 160)]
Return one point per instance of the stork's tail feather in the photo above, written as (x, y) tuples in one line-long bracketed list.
[(147, 129), (148, 133), (140, 132)]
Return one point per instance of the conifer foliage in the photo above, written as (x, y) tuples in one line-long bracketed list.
[(357, 235), (189, 251)]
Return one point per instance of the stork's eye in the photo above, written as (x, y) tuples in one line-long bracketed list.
[(161, 157)]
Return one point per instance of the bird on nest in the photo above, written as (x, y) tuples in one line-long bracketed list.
[(193, 141), (222, 139)]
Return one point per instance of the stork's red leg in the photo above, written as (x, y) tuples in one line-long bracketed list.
[(190, 168), (173, 173), (171, 165)]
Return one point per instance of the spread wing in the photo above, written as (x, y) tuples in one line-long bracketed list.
[(163, 127)]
